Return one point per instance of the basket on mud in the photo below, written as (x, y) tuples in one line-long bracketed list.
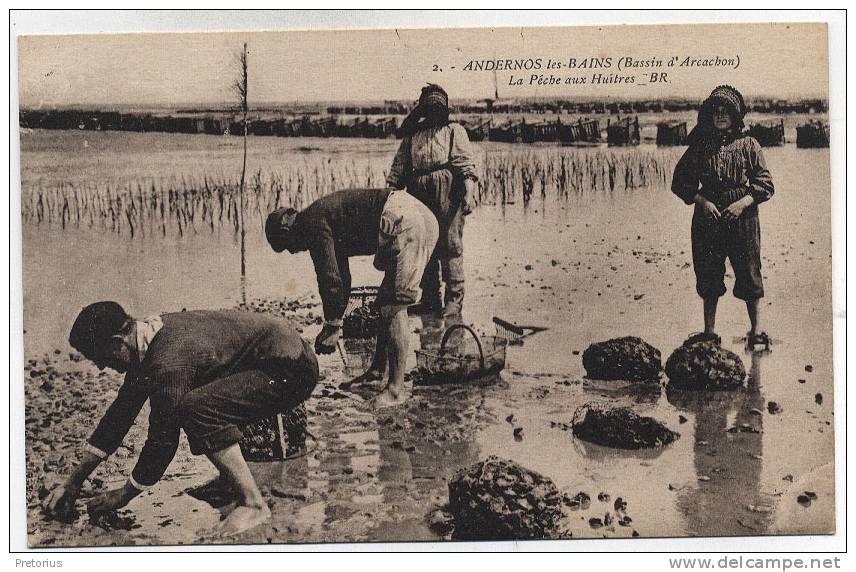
[(275, 438), (453, 364), (361, 315), (619, 427)]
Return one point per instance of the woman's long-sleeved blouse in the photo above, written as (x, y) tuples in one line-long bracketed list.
[(431, 148), (717, 173)]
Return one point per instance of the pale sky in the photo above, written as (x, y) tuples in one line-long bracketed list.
[(776, 60)]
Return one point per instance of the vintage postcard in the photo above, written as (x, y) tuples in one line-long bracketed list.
[(508, 283)]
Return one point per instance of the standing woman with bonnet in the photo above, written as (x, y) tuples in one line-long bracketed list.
[(435, 163), (724, 174)]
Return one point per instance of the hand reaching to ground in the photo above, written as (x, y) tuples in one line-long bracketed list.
[(60, 502)]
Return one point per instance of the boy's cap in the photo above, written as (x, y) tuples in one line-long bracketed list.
[(277, 227), (96, 323)]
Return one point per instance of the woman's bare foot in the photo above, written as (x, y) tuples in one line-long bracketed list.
[(390, 397), (368, 377), (241, 519)]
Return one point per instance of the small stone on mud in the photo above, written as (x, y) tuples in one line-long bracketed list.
[(801, 380), (441, 521), (595, 522), (620, 504), (625, 520), (510, 418), (583, 499), (804, 500), (743, 428), (773, 408), (682, 419), (809, 368), (287, 494), (518, 433), (603, 497), (818, 398), (703, 478), (810, 494)]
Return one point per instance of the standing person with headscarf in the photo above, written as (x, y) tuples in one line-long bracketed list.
[(725, 175), (435, 163)]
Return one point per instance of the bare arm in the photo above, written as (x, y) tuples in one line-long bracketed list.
[(111, 430)]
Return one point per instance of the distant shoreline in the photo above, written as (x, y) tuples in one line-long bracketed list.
[(401, 107)]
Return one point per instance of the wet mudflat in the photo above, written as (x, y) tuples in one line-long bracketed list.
[(589, 268)]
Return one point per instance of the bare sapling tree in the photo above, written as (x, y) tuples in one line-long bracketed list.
[(241, 88)]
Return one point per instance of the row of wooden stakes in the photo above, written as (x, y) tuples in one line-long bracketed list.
[(583, 131)]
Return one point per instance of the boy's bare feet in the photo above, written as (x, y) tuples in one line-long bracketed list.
[(368, 377), (390, 397), (241, 519), (703, 337)]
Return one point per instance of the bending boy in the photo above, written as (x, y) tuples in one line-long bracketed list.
[(206, 372)]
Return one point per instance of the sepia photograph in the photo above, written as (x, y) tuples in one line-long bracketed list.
[(426, 284)]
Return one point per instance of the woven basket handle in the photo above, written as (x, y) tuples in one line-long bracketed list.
[(454, 327)]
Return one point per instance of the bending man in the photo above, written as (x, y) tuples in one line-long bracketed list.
[(398, 230)]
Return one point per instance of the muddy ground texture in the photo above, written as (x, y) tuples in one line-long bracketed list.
[(367, 475), (373, 475), (753, 460)]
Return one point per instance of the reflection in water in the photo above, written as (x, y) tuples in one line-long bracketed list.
[(358, 355), (637, 393), (727, 459), (601, 454), (431, 330), (420, 447)]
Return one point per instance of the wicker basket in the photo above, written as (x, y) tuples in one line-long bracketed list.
[(447, 366), (361, 315), (277, 437)]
